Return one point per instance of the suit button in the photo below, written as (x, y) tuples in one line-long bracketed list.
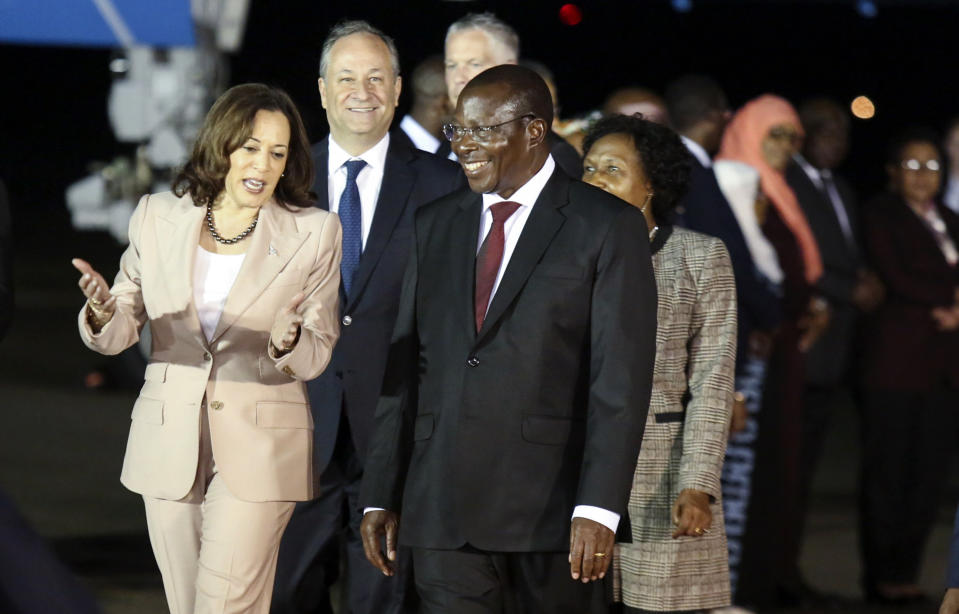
[(347, 320), (288, 371), (217, 405), (207, 357), (473, 361)]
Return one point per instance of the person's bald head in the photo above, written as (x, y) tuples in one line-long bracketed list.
[(523, 91), (632, 100), (502, 119)]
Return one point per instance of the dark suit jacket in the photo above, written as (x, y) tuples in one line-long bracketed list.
[(6, 264), (497, 436), (706, 210), (351, 384), (827, 360), (905, 351), (952, 576)]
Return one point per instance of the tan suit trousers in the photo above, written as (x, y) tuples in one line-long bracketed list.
[(216, 553)]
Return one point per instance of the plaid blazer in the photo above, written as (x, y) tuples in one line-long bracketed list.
[(686, 430)]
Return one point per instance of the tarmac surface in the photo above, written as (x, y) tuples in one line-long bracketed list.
[(62, 447)]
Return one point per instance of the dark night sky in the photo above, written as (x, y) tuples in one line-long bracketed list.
[(54, 119)]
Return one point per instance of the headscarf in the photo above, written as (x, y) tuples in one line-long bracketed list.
[(742, 141)]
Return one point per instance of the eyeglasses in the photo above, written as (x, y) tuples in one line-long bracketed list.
[(480, 134), (915, 165), (781, 134)]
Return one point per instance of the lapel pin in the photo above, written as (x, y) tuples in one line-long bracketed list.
[(272, 251)]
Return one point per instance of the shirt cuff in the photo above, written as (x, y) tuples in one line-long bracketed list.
[(608, 519), (367, 510)]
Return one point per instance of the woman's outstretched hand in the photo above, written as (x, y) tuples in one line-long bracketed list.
[(102, 304)]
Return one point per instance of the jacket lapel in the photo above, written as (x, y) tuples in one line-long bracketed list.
[(544, 221), (394, 195), (463, 237), (180, 230), (274, 242)]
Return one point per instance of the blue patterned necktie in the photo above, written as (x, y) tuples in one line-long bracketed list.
[(352, 221)]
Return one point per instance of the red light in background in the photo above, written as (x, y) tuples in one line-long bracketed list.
[(570, 14)]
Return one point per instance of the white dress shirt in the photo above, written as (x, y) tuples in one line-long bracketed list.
[(950, 195), (526, 196), (697, 150), (213, 276), (819, 177), (369, 179), (419, 135)]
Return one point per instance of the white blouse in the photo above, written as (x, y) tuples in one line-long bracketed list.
[(213, 276)]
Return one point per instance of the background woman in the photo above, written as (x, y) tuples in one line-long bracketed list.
[(678, 559), (238, 275), (764, 134), (911, 370)]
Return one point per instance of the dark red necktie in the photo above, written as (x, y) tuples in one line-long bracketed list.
[(489, 258)]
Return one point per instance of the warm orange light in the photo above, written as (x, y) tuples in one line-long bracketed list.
[(863, 108)]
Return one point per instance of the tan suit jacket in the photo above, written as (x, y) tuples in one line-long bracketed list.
[(260, 421)]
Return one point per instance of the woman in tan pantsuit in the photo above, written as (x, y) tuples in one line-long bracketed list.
[(238, 276), (677, 560)]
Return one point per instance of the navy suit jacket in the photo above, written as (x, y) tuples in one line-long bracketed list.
[(706, 210), (351, 383)]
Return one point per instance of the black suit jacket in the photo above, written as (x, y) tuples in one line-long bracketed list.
[(828, 358), (706, 210), (904, 350), (493, 438), (351, 383), (6, 263)]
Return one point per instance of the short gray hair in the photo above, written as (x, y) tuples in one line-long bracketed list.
[(347, 28), (489, 23)]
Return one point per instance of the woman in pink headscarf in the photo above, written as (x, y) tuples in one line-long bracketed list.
[(764, 135)]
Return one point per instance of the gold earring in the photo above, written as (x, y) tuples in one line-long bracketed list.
[(649, 198)]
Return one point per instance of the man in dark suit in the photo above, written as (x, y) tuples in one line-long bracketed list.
[(519, 375), (846, 284), (375, 182), (699, 112), (479, 41)]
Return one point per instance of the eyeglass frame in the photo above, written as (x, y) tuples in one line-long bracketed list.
[(458, 132), (921, 166)]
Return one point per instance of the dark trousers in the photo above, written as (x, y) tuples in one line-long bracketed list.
[(818, 406), (908, 437), (471, 581), (319, 532)]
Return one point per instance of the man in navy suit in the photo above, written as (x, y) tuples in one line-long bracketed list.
[(374, 181)]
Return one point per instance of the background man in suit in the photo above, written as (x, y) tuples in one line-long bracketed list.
[(479, 41), (503, 418), (375, 183), (849, 288), (424, 123), (699, 112)]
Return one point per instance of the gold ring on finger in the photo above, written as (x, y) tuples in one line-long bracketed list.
[(699, 531), (599, 554)]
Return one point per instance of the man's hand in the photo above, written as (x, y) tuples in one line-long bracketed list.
[(590, 549), (376, 525), (950, 603), (813, 323), (691, 514), (868, 292)]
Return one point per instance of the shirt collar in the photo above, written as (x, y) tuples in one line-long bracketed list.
[(374, 157), (529, 192), (815, 174), (419, 135), (697, 150)]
